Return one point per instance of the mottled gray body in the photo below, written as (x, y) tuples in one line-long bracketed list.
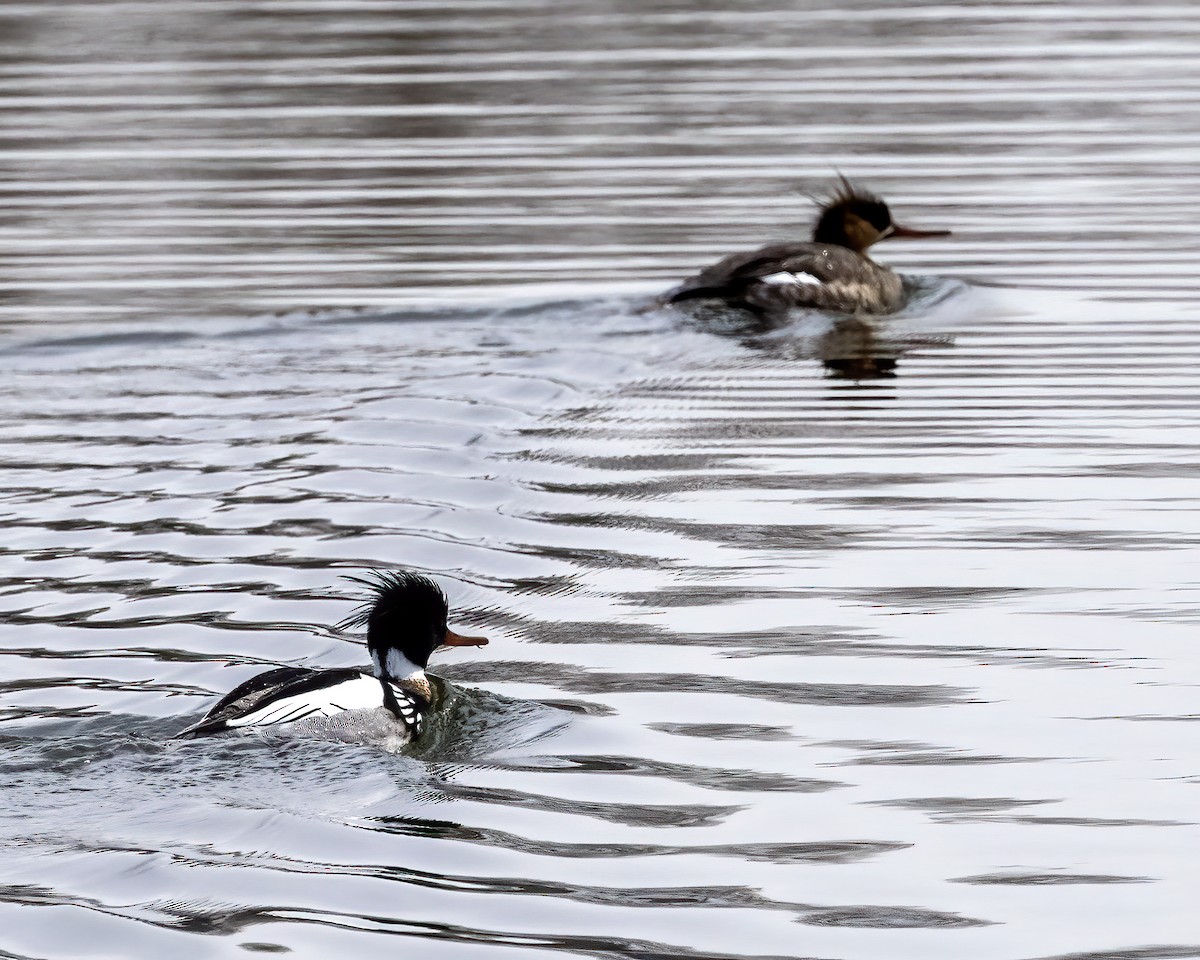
[(377, 726), (827, 277)]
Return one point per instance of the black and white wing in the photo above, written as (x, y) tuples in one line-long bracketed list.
[(288, 694), (728, 278), (776, 278)]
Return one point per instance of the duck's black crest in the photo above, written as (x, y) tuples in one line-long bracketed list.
[(397, 593)]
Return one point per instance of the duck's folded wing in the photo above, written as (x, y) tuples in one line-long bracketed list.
[(775, 279), (287, 694), (729, 278)]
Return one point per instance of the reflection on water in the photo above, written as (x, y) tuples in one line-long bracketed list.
[(851, 347), (840, 639), (853, 350)]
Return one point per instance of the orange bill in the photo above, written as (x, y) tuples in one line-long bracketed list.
[(899, 231), (458, 640)]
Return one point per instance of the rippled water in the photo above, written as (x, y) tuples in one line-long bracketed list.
[(840, 641)]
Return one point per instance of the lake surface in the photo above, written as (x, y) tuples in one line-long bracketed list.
[(789, 658)]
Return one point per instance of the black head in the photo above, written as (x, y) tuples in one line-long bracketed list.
[(854, 218), (405, 612)]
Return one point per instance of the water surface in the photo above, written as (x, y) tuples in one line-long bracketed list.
[(785, 662)]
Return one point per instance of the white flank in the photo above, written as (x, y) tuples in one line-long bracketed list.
[(783, 278), (361, 693)]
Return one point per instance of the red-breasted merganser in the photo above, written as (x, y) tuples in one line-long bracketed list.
[(406, 621), (831, 273)]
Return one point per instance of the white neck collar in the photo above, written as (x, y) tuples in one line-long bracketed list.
[(396, 666)]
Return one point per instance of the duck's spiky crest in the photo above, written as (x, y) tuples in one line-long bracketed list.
[(386, 590), (843, 191), (846, 191), (852, 217)]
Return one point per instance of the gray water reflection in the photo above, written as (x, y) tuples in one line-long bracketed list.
[(168, 159), (783, 664)]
